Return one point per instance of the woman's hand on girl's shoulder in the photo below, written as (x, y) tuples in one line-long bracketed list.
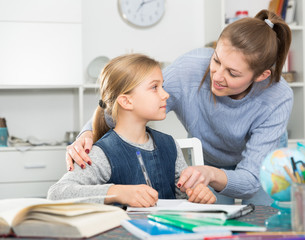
[(78, 151), (201, 194)]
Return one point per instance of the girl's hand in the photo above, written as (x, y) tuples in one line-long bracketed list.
[(133, 195), (201, 194), (78, 151)]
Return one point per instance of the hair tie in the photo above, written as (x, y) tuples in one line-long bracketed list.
[(102, 104), (270, 24)]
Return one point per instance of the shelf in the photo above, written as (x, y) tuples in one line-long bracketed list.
[(91, 86), (292, 27), (295, 140), (22, 87), (296, 27), (292, 143), (296, 84), (32, 148)]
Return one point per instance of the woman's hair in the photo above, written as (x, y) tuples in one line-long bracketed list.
[(264, 40), (120, 76)]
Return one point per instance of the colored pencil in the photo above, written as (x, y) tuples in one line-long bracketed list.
[(292, 177)]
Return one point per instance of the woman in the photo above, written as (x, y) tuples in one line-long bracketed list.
[(234, 100)]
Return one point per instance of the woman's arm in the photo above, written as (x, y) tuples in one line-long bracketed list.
[(206, 175)]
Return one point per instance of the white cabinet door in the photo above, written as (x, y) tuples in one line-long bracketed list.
[(41, 42), (40, 54), (30, 173), (41, 10)]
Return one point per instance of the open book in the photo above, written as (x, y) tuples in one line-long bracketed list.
[(37, 217), (183, 207)]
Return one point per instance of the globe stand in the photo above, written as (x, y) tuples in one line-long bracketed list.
[(282, 219)]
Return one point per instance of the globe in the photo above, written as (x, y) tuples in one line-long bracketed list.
[(273, 177)]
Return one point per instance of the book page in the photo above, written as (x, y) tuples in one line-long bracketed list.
[(70, 210), (83, 225), (9, 208), (4, 227)]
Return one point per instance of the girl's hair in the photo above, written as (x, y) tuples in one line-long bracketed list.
[(120, 76), (264, 45)]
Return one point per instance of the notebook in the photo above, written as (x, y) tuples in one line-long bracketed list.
[(205, 224), (148, 229), (182, 206)]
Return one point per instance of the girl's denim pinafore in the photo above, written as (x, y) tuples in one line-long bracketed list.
[(159, 163)]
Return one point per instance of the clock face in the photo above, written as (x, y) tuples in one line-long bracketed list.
[(141, 13)]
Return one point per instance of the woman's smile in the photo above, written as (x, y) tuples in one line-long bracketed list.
[(217, 85)]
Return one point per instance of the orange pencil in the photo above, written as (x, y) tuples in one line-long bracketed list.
[(303, 172), (299, 180), (293, 178)]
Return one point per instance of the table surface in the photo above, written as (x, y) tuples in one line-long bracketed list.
[(258, 217)]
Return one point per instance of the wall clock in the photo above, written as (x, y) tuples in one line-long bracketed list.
[(141, 13)]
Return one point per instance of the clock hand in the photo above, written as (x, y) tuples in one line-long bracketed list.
[(143, 3), (149, 1)]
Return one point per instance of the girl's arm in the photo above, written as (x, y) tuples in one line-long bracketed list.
[(132, 195), (92, 181)]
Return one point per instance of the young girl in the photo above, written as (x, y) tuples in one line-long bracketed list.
[(132, 94)]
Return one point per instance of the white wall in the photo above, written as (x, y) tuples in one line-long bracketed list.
[(105, 33)]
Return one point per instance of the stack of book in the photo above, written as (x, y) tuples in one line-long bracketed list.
[(180, 219), (37, 217), (284, 8)]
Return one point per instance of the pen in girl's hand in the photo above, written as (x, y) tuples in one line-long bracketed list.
[(139, 156), (143, 168)]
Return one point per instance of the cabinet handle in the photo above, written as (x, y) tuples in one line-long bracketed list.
[(34, 165)]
